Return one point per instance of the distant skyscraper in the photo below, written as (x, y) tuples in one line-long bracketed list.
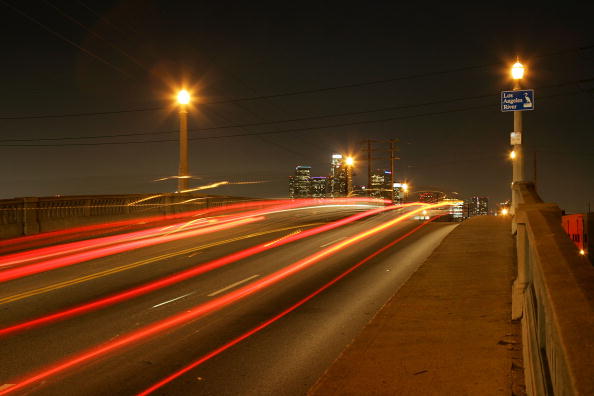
[(478, 206), (319, 187), (380, 184), (301, 182), (338, 177)]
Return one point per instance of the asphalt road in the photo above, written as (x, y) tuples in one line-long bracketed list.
[(285, 357)]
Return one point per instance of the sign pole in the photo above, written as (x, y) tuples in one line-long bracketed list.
[(518, 162)]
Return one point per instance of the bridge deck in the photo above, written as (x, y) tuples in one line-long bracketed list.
[(447, 331)]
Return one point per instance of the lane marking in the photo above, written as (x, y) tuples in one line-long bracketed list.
[(336, 240), (173, 299), (231, 286), (111, 271)]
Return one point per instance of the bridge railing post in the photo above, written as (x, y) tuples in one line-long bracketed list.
[(521, 281), (30, 216)]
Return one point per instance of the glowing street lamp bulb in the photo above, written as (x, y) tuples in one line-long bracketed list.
[(183, 97), (504, 212), (405, 186), (350, 161), (517, 71), (512, 154), (582, 252)]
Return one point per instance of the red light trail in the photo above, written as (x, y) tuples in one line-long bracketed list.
[(270, 321), (208, 307), (187, 274), (51, 264)]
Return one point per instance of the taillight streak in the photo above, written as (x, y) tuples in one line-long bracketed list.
[(187, 274), (270, 321), (208, 307), (63, 261)]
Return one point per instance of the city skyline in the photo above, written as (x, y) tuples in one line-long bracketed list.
[(283, 85)]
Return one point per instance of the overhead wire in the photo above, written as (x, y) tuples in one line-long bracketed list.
[(290, 130), (292, 93), (66, 39), (298, 119)]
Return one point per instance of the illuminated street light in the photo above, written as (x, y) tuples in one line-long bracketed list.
[(504, 212), (517, 71), (405, 188), (582, 252), (349, 162), (183, 98)]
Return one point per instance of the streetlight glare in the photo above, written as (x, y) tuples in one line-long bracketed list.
[(517, 71), (582, 252), (512, 154), (504, 212), (405, 186), (349, 161), (183, 97)]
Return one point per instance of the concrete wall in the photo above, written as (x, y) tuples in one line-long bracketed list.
[(32, 215), (553, 296)]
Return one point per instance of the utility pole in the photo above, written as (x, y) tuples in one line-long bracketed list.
[(371, 157), (392, 158), (369, 163)]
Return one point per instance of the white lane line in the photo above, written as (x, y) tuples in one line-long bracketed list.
[(172, 300), (5, 386), (224, 289), (330, 243)]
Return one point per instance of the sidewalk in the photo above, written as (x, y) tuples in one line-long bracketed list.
[(447, 331)]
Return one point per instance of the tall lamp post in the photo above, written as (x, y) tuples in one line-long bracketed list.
[(183, 98), (349, 161), (405, 189), (517, 154)]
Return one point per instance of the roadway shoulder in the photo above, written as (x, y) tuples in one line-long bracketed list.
[(447, 331)]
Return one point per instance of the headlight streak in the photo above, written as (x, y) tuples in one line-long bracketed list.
[(208, 307), (187, 274), (275, 318)]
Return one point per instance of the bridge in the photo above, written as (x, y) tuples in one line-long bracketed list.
[(196, 294)]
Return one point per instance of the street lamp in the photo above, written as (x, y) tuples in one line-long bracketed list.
[(183, 98), (512, 154), (349, 162), (517, 72), (405, 189)]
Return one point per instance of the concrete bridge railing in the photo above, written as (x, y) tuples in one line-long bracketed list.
[(553, 296), (27, 216)]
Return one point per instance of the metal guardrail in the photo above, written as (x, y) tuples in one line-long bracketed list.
[(27, 216), (553, 296)]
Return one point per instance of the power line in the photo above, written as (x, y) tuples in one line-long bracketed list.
[(281, 131), (95, 34), (309, 118), (64, 38), (296, 93)]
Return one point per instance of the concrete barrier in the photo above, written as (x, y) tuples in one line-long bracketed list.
[(553, 296), (32, 215)]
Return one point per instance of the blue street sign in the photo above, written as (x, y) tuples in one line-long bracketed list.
[(520, 100)]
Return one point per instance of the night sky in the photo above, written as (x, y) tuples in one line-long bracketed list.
[(87, 94)]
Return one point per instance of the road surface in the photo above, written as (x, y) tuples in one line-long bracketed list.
[(237, 343)]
